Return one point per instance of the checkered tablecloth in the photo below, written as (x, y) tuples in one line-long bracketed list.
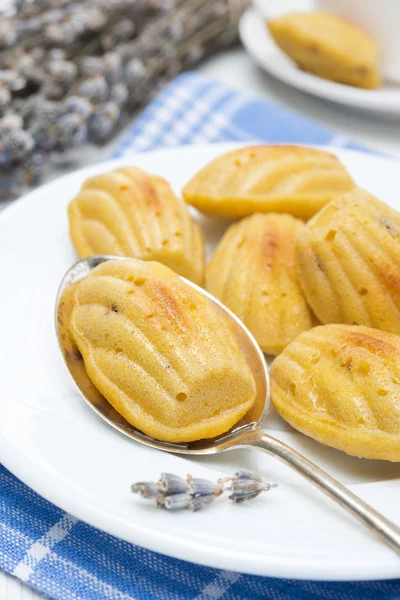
[(67, 559)]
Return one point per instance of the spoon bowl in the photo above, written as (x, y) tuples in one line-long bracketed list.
[(246, 433), (247, 343)]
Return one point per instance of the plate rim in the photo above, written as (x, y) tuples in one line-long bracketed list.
[(197, 552)]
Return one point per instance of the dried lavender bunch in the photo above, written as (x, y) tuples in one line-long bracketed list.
[(65, 22), (58, 94), (174, 493)]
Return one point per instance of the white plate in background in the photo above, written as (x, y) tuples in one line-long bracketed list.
[(262, 48), (56, 444)]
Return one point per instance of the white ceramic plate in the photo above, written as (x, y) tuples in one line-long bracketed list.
[(57, 445), (268, 56)]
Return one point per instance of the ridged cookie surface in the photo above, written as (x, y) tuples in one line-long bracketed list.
[(159, 353), (253, 272), (289, 179), (127, 212), (329, 47), (348, 259), (340, 385)]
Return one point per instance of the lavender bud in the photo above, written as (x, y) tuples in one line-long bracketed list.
[(247, 485), (112, 66), (92, 66), (17, 143), (30, 26), (33, 169), (60, 34), (53, 91), (238, 497), (43, 135), (94, 89), (62, 71), (79, 106), (203, 487), (173, 484), (54, 15), (11, 121), (103, 121), (94, 18), (9, 186), (56, 54), (70, 130), (175, 502), (175, 30), (134, 71), (7, 76), (24, 64), (146, 489), (200, 502), (244, 474), (193, 55), (37, 53), (8, 35), (46, 111), (120, 94), (123, 30), (5, 97)]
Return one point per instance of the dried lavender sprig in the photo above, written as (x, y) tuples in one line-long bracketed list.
[(173, 492)]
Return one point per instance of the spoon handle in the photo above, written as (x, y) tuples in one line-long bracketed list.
[(377, 523)]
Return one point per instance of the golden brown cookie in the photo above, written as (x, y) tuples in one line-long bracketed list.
[(253, 272), (340, 385), (129, 213), (329, 47), (159, 353), (289, 179), (348, 259)]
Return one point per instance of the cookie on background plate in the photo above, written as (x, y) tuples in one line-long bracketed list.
[(329, 47)]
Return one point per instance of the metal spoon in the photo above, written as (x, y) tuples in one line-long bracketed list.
[(245, 434)]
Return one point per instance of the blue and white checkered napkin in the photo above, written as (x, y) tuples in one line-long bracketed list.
[(69, 560)]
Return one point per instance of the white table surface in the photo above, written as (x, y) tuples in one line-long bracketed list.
[(235, 68)]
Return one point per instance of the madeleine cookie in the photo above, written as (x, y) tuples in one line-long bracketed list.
[(340, 385), (289, 179), (348, 259), (159, 353), (329, 47), (129, 213), (253, 272)]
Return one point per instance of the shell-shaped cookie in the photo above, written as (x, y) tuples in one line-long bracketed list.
[(340, 384), (159, 353), (289, 179), (127, 212), (328, 46), (348, 259), (253, 272)]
